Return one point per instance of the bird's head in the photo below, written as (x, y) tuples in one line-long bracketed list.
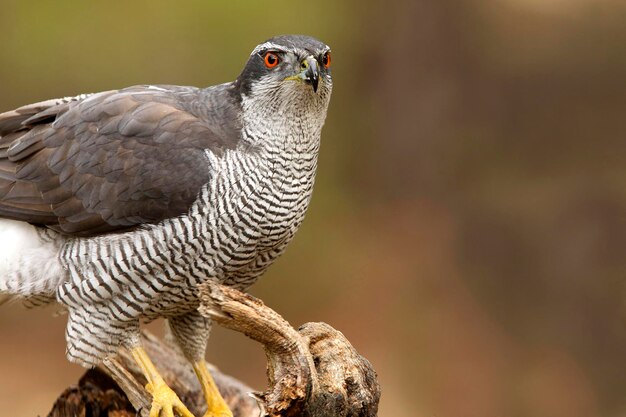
[(289, 69)]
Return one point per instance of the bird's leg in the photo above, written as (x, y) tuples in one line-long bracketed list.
[(216, 406), (164, 399), (190, 333)]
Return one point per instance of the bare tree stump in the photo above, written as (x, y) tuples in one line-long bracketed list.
[(116, 388), (312, 372)]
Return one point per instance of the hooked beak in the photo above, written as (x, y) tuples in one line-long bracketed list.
[(310, 73)]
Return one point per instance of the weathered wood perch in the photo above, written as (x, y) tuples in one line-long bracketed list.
[(312, 372)]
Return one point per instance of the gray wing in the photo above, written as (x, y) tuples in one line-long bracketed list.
[(113, 160)]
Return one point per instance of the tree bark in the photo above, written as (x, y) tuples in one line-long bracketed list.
[(312, 371)]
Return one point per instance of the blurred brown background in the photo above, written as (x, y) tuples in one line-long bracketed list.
[(468, 228)]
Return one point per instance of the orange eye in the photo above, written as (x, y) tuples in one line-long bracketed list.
[(326, 60), (271, 60)]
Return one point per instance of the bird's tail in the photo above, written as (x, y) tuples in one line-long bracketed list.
[(29, 265)]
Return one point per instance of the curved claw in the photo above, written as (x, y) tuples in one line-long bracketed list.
[(164, 399), (165, 402)]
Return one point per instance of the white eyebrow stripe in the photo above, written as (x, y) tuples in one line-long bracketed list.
[(277, 47), (267, 45), (154, 87)]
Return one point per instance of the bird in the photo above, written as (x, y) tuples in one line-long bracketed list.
[(117, 205)]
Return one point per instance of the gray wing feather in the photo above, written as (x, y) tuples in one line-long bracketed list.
[(113, 160)]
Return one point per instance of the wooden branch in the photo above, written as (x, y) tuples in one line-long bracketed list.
[(312, 372), (99, 391)]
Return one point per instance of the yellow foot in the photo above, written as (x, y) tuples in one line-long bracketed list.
[(217, 407), (215, 412), (165, 402)]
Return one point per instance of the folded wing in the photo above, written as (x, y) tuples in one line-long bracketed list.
[(114, 160)]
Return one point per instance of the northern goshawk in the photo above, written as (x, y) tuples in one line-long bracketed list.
[(119, 204)]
